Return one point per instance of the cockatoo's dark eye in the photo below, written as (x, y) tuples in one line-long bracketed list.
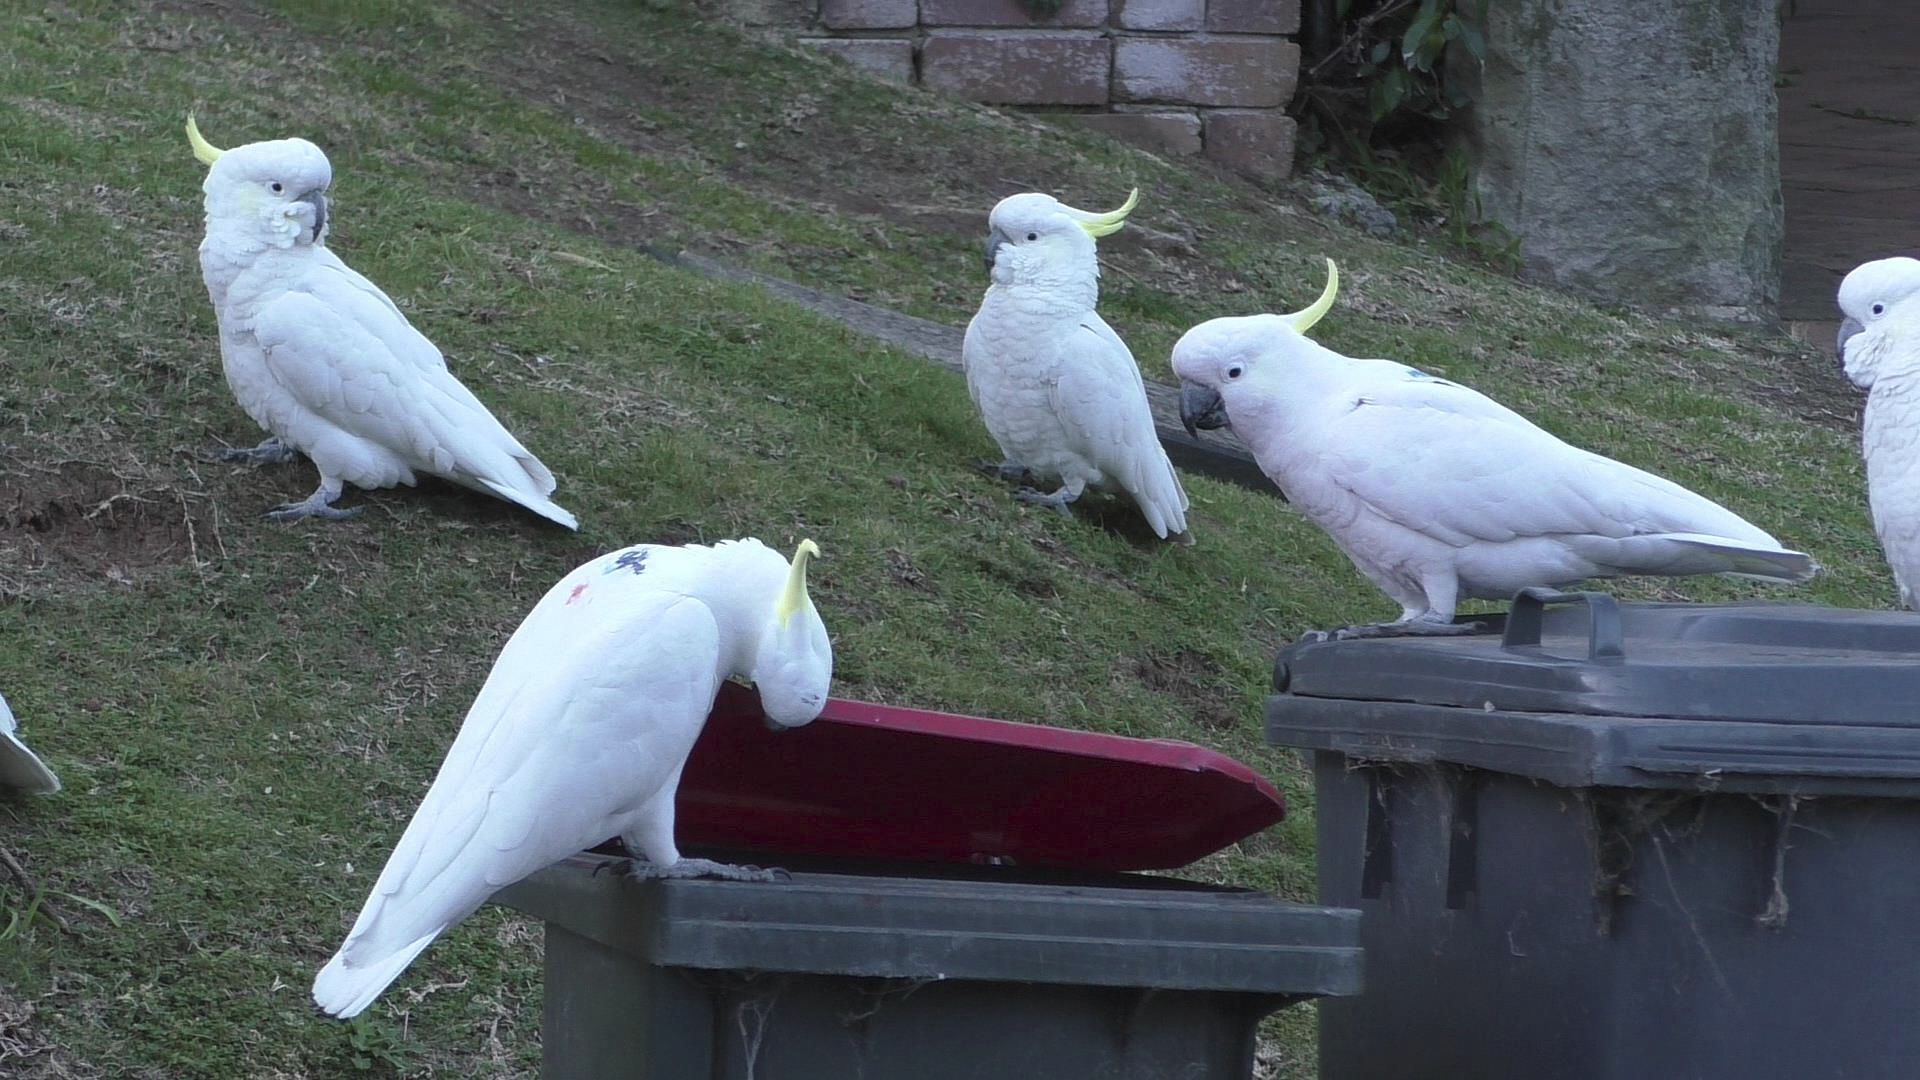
[(1033, 236), (1879, 309), (1235, 371), (275, 187)]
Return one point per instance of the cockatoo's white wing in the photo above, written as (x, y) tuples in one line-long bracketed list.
[(586, 717), (21, 768), (1446, 461), (380, 391), (1101, 400)]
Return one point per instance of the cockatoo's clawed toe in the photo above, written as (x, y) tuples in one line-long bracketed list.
[(271, 452), (1430, 628), (1058, 500), (1408, 628), (643, 870), (1001, 470), (312, 506)]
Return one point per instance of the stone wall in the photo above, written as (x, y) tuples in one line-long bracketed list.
[(1208, 77), (1632, 148)]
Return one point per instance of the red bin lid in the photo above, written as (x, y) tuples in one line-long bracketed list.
[(879, 781)]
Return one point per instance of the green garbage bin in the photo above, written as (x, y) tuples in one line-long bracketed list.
[(850, 972), (1621, 842), (961, 908)]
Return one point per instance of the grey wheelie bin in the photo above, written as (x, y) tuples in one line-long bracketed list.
[(955, 910), (1647, 841)]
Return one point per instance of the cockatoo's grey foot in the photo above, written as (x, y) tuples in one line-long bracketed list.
[(647, 870), (1058, 500), (1407, 628), (271, 452), (1004, 470), (319, 504)]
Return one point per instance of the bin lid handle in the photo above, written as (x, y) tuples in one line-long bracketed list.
[(1604, 640)]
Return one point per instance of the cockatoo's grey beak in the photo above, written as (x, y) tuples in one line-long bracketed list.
[(1848, 327), (1200, 407), (995, 241), (317, 200)]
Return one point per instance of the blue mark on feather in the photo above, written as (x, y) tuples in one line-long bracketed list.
[(635, 560), (1417, 375)]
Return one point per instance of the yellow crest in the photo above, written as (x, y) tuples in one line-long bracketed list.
[(794, 597), (1304, 319), (202, 149), (1098, 225)]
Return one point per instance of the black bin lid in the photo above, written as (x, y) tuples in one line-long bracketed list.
[(1580, 688)]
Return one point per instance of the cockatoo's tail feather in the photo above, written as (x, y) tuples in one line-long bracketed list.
[(345, 990), (20, 767)]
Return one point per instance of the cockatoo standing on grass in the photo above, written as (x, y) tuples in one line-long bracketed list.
[(20, 768), (1436, 491), (1879, 347), (323, 360), (580, 734), (1056, 386)]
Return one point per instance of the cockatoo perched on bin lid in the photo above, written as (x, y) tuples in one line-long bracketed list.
[(580, 733), (1879, 350), (1057, 388), (322, 359), (1436, 491)]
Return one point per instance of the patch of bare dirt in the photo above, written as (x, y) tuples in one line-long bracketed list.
[(79, 520), (1191, 678), (27, 1054)]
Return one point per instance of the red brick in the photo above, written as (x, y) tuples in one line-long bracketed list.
[(1074, 13), (1160, 14), (1254, 72), (1254, 16), (1176, 133), (888, 58), (869, 14), (1018, 67), (1254, 141)]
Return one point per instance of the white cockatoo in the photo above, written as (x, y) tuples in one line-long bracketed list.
[(1056, 386), (1436, 491), (580, 733), (1879, 347), (323, 360), (21, 768)]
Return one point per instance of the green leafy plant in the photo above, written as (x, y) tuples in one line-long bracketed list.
[(1385, 78), (376, 1043)]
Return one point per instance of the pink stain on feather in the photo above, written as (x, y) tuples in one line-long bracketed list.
[(575, 594)]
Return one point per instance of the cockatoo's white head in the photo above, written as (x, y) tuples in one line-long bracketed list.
[(793, 667), (271, 192), (1222, 361), (1037, 239), (1876, 299)]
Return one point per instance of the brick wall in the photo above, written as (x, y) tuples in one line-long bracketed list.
[(1208, 77)]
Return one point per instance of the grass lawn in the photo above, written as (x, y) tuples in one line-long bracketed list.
[(245, 713)]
